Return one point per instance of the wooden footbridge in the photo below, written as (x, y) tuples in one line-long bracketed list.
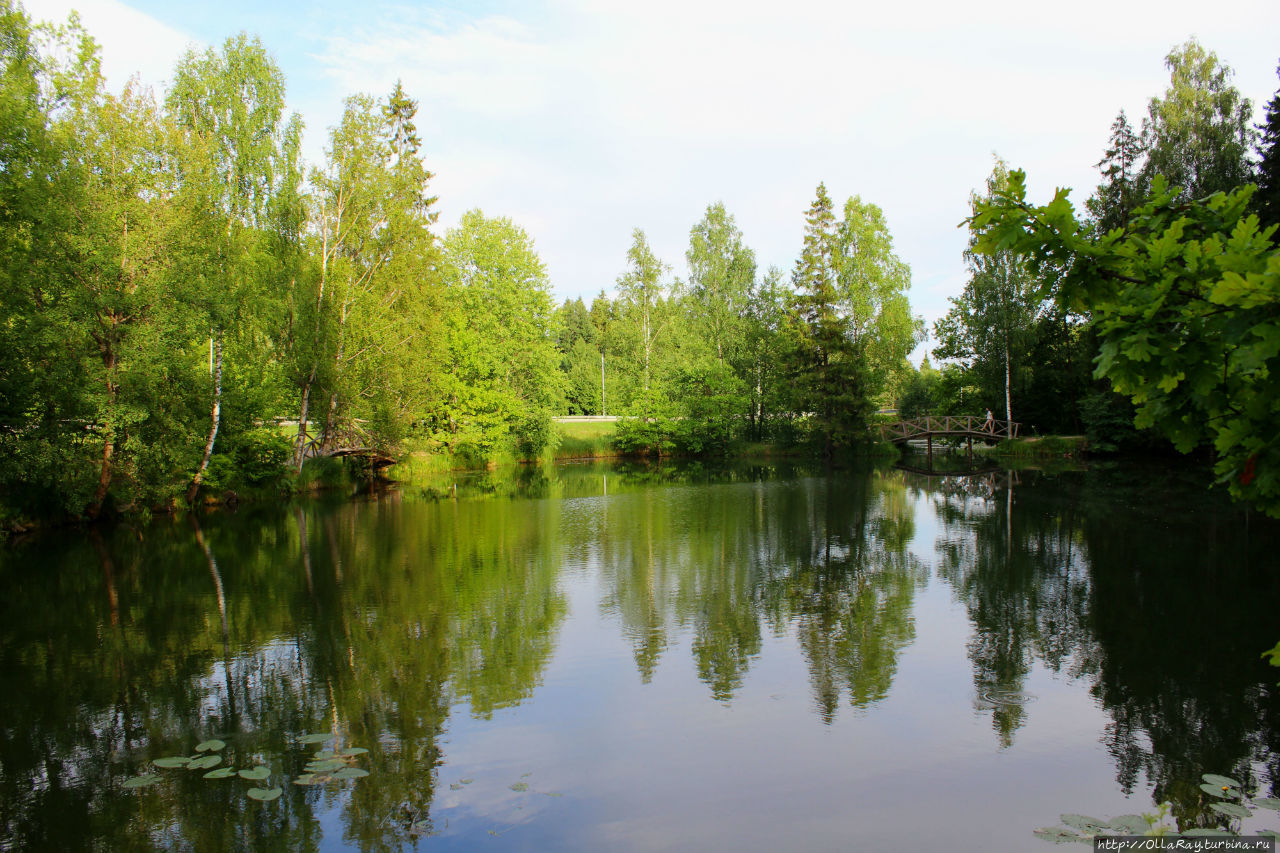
[(351, 441), (967, 427)]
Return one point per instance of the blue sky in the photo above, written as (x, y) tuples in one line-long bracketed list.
[(581, 120)]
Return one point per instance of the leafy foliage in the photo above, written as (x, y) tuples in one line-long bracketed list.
[(1186, 303)]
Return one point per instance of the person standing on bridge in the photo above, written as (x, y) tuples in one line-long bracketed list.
[(990, 424)]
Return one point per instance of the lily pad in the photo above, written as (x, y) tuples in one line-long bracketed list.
[(1215, 779), (171, 761), (204, 763), (325, 755), (454, 786), (1130, 824), (266, 795), (142, 780), (221, 773), (1268, 803), (354, 750), (318, 737), (325, 766), (351, 773), (1201, 832), (213, 745), (1225, 792), (257, 774), (311, 779), (1231, 809), (1056, 834), (465, 781), (1084, 823), (520, 786)]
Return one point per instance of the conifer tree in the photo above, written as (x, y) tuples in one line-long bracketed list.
[(827, 367), (1267, 199), (1120, 191)]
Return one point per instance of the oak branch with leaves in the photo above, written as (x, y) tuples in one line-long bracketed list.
[(1186, 301)]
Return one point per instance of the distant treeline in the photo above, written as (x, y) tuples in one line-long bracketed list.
[(177, 282)]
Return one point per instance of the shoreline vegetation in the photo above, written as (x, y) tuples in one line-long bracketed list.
[(175, 276)]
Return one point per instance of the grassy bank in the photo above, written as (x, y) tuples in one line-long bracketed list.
[(585, 440), (1039, 447)]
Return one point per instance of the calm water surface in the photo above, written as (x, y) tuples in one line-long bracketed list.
[(594, 658)]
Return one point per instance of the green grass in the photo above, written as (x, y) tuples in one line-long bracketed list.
[(1043, 446), (585, 440)]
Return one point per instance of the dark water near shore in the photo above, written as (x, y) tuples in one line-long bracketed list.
[(601, 658)]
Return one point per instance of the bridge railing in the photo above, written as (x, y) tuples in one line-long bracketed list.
[(970, 426)]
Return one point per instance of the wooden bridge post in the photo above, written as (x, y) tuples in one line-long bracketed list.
[(929, 438)]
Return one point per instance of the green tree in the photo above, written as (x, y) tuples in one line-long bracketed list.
[(1121, 166), (1186, 302), (371, 304), (827, 365), (644, 292), (505, 380), (238, 149), (1198, 135), (873, 282), (721, 272), (1267, 200), (990, 325)]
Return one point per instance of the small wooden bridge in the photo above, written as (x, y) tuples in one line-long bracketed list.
[(954, 426), (351, 441)]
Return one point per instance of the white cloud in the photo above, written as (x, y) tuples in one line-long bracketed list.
[(582, 119), (132, 42)]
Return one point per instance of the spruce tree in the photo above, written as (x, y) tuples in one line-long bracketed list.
[(1119, 193), (1267, 199), (827, 367)]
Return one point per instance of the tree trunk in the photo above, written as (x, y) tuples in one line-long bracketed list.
[(1008, 398), (215, 417), (300, 443), (109, 435)]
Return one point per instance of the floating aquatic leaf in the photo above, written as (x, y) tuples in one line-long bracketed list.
[(258, 773), (325, 754), (1215, 779), (318, 737), (354, 750), (1232, 809), (1205, 833), (325, 766), (553, 793), (213, 745), (205, 763), (1084, 823), (171, 761), (520, 786), (526, 775), (312, 779), (142, 780), (1268, 803), (221, 773), (351, 773), (465, 781), (1130, 824), (1056, 834), (454, 786), (1226, 793), (264, 794)]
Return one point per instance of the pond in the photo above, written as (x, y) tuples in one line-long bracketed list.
[(594, 657)]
